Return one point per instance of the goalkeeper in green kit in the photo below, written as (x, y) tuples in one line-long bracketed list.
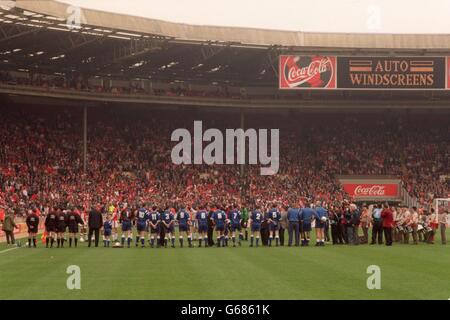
[(244, 222)]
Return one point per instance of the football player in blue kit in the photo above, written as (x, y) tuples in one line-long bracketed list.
[(154, 225), (107, 230), (141, 225), (227, 229), (256, 219), (219, 217), (184, 222), (273, 217), (168, 221), (125, 218), (321, 217), (202, 221), (235, 219), (306, 216)]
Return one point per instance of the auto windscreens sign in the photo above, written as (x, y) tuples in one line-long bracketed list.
[(391, 73)]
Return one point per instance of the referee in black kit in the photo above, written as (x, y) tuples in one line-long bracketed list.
[(95, 222)]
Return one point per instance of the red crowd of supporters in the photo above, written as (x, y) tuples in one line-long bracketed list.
[(41, 158)]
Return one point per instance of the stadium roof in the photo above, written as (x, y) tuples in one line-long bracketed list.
[(245, 36), (34, 38)]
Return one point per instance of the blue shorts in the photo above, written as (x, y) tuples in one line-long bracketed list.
[(274, 227), (202, 228), (183, 227), (154, 230), (126, 226), (256, 227), (306, 227), (236, 226), (169, 229), (107, 233), (320, 224), (220, 227), (141, 226)]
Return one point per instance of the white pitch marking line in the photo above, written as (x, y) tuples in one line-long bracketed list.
[(9, 249)]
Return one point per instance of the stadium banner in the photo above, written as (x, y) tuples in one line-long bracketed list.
[(307, 72), (391, 73), (372, 190), (367, 73)]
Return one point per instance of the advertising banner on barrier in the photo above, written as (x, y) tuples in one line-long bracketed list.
[(307, 72), (368, 73), (371, 190)]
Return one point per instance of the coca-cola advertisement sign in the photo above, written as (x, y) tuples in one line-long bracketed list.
[(307, 72), (448, 72), (371, 190)]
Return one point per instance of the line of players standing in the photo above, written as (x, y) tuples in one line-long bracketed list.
[(230, 226), (57, 222), (160, 226)]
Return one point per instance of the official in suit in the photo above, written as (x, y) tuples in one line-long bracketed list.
[(95, 223)]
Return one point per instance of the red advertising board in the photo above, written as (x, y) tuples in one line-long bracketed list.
[(371, 190), (307, 72)]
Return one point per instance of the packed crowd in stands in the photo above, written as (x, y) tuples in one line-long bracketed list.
[(41, 158)]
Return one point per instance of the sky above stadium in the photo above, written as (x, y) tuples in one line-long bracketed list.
[(380, 16)]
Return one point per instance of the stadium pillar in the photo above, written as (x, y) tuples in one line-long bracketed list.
[(242, 168), (85, 139)]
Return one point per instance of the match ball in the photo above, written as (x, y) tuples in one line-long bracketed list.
[(117, 244)]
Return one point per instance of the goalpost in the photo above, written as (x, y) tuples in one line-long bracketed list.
[(440, 205)]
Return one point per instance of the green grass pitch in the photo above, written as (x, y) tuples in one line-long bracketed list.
[(330, 272)]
